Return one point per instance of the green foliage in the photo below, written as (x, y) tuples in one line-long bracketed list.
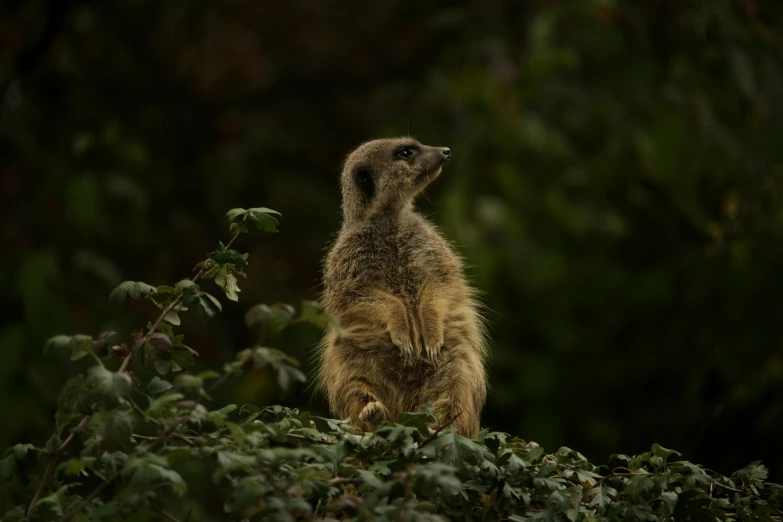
[(616, 189), (131, 442)]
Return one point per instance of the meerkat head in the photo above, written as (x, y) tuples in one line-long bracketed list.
[(388, 173)]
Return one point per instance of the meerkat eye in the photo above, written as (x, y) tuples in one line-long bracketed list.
[(405, 152)]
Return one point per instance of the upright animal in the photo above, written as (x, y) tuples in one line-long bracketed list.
[(408, 326)]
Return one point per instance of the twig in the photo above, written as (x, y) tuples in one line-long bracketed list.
[(144, 414), (166, 515), (223, 378), (308, 439), (343, 480), (735, 490), (168, 309), (89, 498), (123, 368), (53, 462), (439, 429)]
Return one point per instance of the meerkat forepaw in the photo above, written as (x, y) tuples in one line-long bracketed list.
[(432, 347), (373, 412), (404, 343), (433, 352)]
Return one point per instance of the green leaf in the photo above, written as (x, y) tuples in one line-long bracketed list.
[(273, 318), (173, 318), (208, 304), (109, 386), (262, 219), (234, 213), (420, 421), (601, 496), (11, 459), (17, 514), (55, 501), (162, 403), (158, 385), (132, 289), (114, 426), (151, 471), (163, 366), (223, 256), (662, 452), (369, 478), (228, 282), (57, 342), (75, 467)]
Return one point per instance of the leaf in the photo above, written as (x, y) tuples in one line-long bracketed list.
[(74, 467), (662, 452), (132, 289), (163, 366), (601, 496), (165, 401), (109, 386), (230, 461), (510, 492), (152, 470), (158, 385), (234, 213), (114, 426), (160, 340), (262, 219), (753, 475), (419, 420), (207, 304), (229, 257), (11, 459), (587, 478), (173, 318), (369, 478), (272, 318), (228, 282), (17, 514), (54, 501)]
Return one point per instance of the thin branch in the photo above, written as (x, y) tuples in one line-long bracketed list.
[(308, 439), (724, 486), (123, 368), (223, 378), (167, 516), (439, 429), (81, 505), (53, 462), (166, 311)]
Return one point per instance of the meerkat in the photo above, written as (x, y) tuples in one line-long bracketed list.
[(407, 328)]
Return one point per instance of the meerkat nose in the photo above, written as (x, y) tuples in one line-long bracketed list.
[(446, 152)]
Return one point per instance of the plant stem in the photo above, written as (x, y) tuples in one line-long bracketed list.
[(123, 368), (439, 429), (75, 511), (53, 462), (166, 311), (166, 515)]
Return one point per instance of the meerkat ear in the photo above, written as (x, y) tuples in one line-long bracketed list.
[(364, 178)]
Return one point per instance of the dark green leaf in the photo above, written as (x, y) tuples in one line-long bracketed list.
[(132, 289)]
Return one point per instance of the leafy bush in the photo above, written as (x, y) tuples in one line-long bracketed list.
[(132, 443)]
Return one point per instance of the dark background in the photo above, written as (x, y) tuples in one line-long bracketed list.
[(616, 189)]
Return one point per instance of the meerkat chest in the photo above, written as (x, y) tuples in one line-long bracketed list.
[(411, 262)]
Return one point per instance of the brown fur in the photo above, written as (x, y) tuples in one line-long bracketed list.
[(408, 329)]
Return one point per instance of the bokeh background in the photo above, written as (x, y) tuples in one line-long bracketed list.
[(616, 190)]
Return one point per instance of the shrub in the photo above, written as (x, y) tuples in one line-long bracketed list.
[(131, 443)]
